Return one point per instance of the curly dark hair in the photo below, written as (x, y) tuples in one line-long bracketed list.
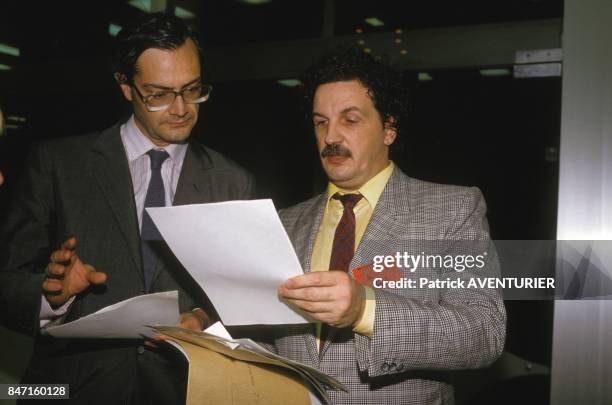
[(384, 84), (159, 30)]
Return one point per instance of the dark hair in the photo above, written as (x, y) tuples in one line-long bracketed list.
[(160, 31), (384, 84)]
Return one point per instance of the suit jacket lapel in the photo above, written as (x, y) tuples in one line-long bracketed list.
[(112, 172), (308, 228), (388, 221), (305, 235), (194, 182)]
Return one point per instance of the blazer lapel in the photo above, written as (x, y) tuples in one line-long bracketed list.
[(194, 182), (307, 230), (112, 172), (388, 221), (305, 235)]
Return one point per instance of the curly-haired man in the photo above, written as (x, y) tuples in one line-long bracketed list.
[(386, 346)]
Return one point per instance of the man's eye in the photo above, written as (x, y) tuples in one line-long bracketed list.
[(319, 123), (193, 91), (159, 96)]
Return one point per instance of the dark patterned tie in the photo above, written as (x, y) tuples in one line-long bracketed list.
[(343, 247), (149, 235)]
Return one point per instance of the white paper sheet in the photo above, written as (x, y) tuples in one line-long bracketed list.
[(124, 320), (239, 253), (217, 329)]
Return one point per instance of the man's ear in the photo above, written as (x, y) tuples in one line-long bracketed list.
[(390, 131), (123, 84)]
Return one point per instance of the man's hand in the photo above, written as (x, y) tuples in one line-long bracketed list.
[(196, 320), (67, 275), (332, 297)]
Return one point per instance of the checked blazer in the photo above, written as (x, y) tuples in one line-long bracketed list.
[(419, 334)]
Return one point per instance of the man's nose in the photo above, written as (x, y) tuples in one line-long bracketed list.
[(333, 134), (178, 106)]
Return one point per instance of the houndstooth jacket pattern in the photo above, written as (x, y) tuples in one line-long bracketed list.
[(419, 334)]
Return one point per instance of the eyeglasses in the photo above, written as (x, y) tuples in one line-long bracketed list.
[(160, 100)]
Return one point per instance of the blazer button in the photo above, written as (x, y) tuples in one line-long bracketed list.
[(140, 349)]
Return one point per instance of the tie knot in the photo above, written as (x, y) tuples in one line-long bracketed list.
[(348, 200), (157, 158)]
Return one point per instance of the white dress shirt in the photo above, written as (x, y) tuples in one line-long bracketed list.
[(136, 146)]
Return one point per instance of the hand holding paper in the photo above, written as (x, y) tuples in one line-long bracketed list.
[(332, 297)]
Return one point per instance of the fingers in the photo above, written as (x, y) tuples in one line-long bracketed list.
[(316, 286), (66, 278), (151, 344), (155, 341), (62, 256), (80, 276), (311, 307), (308, 293), (190, 321), (331, 297), (314, 279), (203, 317), (65, 259), (52, 286), (325, 312), (69, 244), (65, 252), (192, 324), (55, 270), (95, 277)]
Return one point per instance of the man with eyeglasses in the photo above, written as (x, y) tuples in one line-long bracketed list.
[(78, 237)]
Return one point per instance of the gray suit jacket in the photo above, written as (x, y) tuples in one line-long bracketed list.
[(418, 333), (82, 187)]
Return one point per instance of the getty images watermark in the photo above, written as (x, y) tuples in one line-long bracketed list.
[(388, 269), (523, 269)]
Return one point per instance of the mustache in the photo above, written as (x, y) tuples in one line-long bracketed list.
[(335, 150)]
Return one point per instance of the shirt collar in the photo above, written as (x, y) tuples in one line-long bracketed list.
[(371, 190), (137, 144)]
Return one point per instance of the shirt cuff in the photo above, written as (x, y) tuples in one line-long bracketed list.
[(48, 314), (365, 325)]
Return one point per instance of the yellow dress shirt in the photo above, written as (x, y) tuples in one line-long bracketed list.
[(321, 253)]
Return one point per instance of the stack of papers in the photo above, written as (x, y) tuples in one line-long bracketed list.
[(249, 351), (239, 253)]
